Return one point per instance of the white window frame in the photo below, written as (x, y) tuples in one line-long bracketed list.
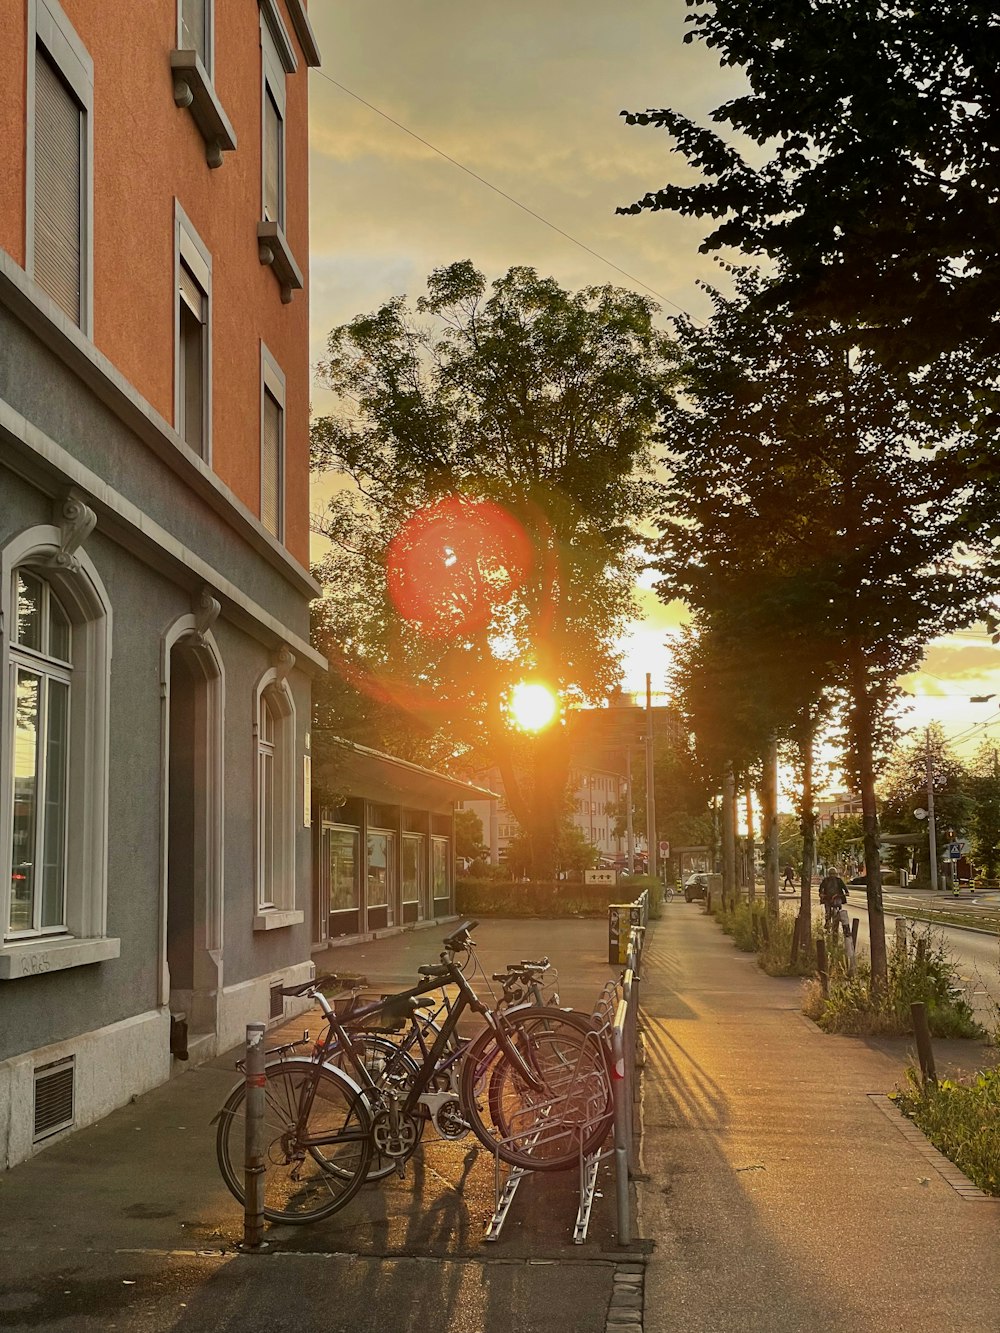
[(190, 250), (274, 905), (50, 671), (272, 381), (49, 28), (83, 596), (209, 60)]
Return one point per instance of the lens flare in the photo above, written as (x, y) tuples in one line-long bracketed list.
[(532, 706), (454, 562)]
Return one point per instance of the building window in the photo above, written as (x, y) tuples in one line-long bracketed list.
[(276, 789), (274, 160), (272, 445), (440, 871), (194, 19), (413, 868), (275, 51), (380, 869), (53, 798), (193, 350), (60, 156), (42, 672), (341, 855)]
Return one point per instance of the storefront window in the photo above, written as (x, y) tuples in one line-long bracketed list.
[(342, 868), (413, 867), (440, 870), (379, 868)]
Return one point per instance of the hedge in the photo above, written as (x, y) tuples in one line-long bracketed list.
[(546, 898)]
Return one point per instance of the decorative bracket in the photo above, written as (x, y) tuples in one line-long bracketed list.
[(284, 660), (76, 521), (205, 608)]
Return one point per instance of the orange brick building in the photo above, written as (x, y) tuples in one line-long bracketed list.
[(155, 662)]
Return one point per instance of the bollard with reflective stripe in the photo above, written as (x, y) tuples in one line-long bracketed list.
[(254, 1168)]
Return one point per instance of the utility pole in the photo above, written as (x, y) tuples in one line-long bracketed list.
[(931, 830), (650, 798), (629, 830)]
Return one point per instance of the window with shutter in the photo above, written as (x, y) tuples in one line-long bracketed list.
[(193, 328), (271, 464), (273, 165), (58, 188), (194, 30)]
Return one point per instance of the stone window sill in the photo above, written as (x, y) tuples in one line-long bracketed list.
[(273, 250), (36, 957), (193, 89), (273, 918)]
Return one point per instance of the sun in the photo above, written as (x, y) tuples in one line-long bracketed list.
[(532, 706)]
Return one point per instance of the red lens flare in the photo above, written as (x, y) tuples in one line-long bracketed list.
[(454, 562)]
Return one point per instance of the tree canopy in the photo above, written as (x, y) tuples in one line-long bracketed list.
[(492, 459), (872, 171)]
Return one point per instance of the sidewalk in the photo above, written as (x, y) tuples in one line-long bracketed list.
[(127, 1225), (781, 1194)]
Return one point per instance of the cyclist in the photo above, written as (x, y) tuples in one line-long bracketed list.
[(832, 894)]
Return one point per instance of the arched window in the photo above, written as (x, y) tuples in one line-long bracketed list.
[(276, 805), (55, 663), (42, 672)]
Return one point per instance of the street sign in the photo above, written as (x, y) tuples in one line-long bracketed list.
[(599, 877), (664, 848), (955, 850)]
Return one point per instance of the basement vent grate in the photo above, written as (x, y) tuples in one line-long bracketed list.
[(277, 1001), (54, 1093)]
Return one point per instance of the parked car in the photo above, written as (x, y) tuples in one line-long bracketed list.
[(695, 886)]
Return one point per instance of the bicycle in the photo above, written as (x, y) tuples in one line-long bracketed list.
[(546, 1083)]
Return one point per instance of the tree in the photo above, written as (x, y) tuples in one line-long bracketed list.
[(492, 466), (819, 542), (789, 840), (983, 785), (468, 835), (904, 788), (840, 842), (875, 189)]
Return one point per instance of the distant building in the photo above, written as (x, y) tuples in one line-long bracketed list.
[(838, 806), (155, 663)]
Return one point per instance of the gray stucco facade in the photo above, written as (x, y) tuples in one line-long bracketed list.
[(193, 620)]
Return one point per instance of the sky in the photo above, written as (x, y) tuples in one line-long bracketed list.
[(526, 95)]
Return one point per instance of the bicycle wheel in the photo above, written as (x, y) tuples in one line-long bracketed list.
[(540, 1127), (387, 1065), (308, 1179)]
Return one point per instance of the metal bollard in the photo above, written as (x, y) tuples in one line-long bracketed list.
[(623, 1112), (254, 1167)]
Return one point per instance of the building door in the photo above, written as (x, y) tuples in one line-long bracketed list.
[(193, 843)]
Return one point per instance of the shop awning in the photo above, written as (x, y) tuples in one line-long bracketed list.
[(344, 768)]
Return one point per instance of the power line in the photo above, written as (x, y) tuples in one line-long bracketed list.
[(504, 195)]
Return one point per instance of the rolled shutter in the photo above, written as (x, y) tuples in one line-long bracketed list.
[(270, 471), (58, 188)]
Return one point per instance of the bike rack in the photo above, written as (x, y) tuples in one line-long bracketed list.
[(616, 1018)]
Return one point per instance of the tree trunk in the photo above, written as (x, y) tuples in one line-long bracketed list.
[(751, 851), (728, 838), (808, 837), (769, 821), (861, 726)]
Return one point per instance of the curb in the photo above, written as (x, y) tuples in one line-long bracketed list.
[(915, 1136), (627, 1295)]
